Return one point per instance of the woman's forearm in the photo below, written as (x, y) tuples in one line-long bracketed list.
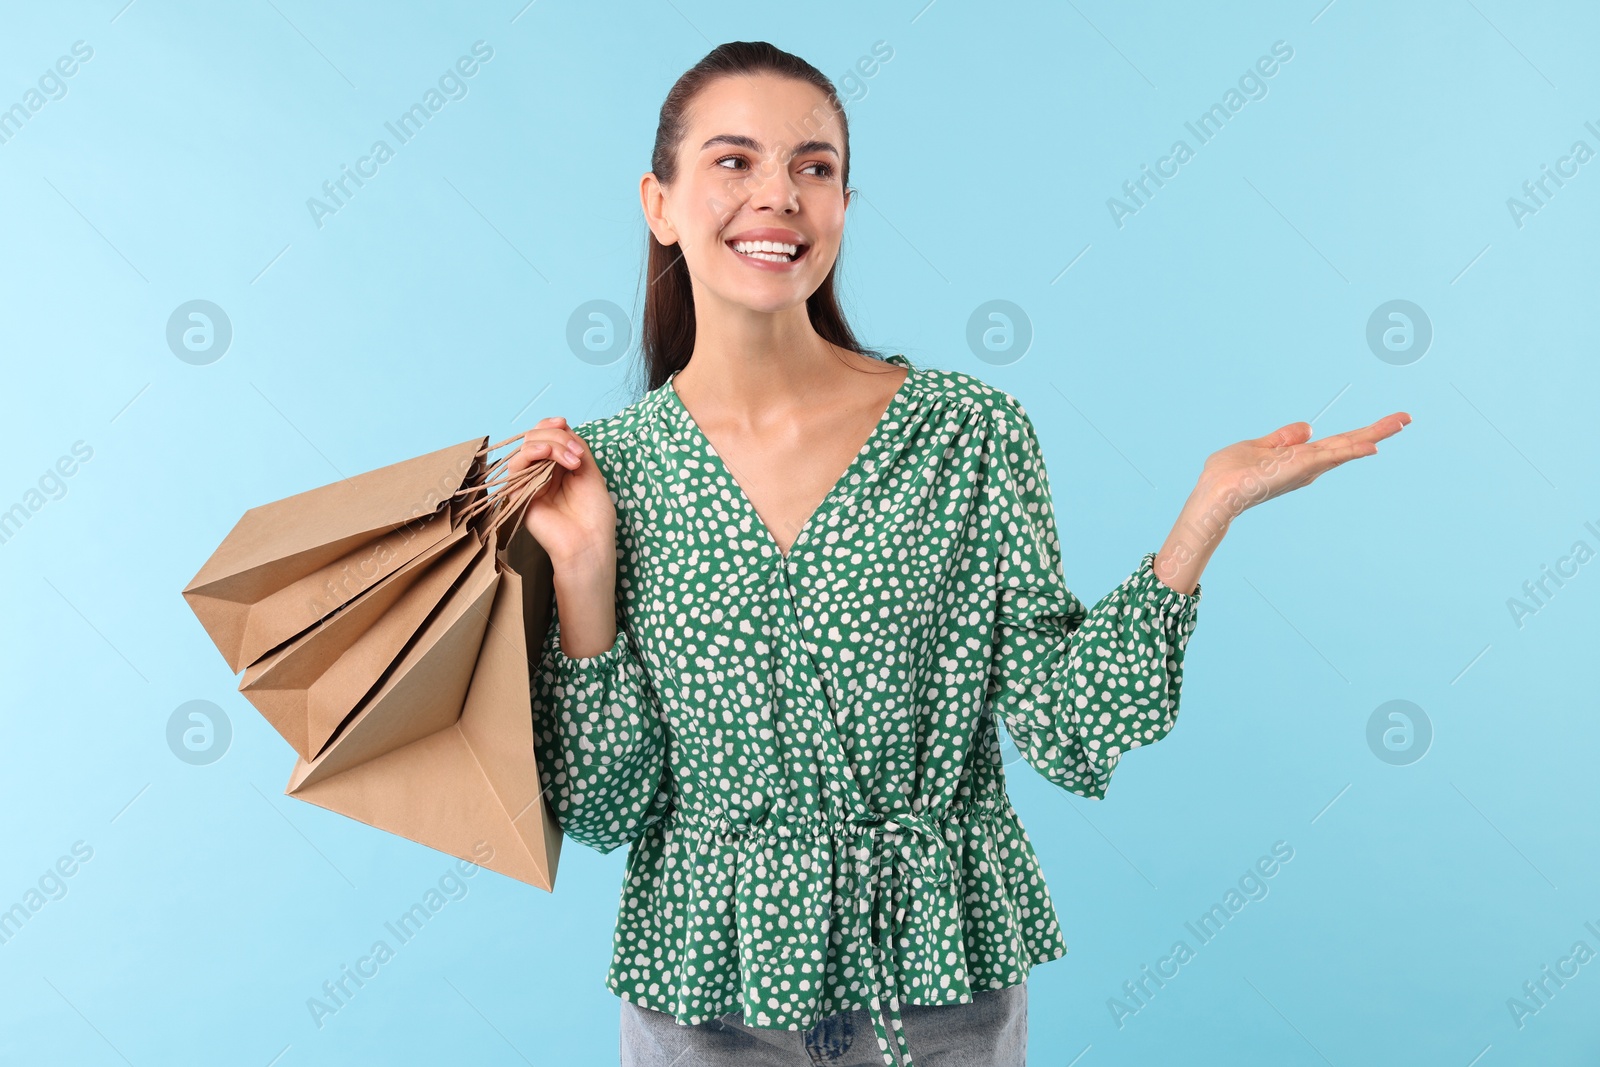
[(586, 601)]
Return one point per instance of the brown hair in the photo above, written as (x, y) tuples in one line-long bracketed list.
[(667, 330)]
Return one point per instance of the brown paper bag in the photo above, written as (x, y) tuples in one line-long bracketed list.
[(404, 689), (310, 686), (286, 565), (443, 752)]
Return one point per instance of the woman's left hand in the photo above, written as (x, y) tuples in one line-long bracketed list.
[(1245, 474)]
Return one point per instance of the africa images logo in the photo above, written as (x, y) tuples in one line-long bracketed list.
[(1206, 126), (451, 86)]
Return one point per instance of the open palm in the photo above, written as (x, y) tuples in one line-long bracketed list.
[(1249, 472)]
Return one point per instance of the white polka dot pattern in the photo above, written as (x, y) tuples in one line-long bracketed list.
[(803, 750)]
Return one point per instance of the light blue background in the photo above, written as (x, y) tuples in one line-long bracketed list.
[(434, 307)]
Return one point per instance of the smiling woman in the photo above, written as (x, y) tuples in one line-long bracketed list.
[(798, 589), (772, 666)]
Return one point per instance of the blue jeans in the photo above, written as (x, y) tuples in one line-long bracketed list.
[(992, 1031)]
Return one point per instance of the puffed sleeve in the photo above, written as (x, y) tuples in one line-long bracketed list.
[(599, 730), (601, 742), (1076, 688)]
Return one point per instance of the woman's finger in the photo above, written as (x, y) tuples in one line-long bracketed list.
[(1364, 440), (535, 445), (1293, 434), (558, 433), (1337, 449), (546, 449), (564, 446)]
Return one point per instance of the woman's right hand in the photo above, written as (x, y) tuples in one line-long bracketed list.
[(572, 517)]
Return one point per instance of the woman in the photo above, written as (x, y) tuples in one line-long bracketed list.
[(797, 588)]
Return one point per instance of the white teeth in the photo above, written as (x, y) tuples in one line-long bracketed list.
[(771, 251)]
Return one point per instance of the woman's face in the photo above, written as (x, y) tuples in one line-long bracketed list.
[(760, 162)]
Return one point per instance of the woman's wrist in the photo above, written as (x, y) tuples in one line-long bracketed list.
[(586, 601), (589, 565), (1205, 518)]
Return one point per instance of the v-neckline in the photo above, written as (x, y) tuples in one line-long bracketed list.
[(841, 485)]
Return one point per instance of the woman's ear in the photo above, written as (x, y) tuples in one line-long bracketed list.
[(652, 197)]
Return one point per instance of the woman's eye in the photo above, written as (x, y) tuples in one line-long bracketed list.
[(827, 168)]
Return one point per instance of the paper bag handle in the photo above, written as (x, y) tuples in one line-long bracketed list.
[(515, 490)]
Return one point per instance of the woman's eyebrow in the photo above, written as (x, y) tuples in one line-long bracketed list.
[(739, 140)]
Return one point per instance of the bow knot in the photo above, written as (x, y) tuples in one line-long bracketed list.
[(916, 840)]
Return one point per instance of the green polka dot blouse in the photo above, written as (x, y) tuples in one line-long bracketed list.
[(804, 750)]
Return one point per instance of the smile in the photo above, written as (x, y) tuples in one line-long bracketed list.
[(770, 253)]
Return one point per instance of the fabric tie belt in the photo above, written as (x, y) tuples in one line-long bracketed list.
[(895, 843), (921, 850)]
